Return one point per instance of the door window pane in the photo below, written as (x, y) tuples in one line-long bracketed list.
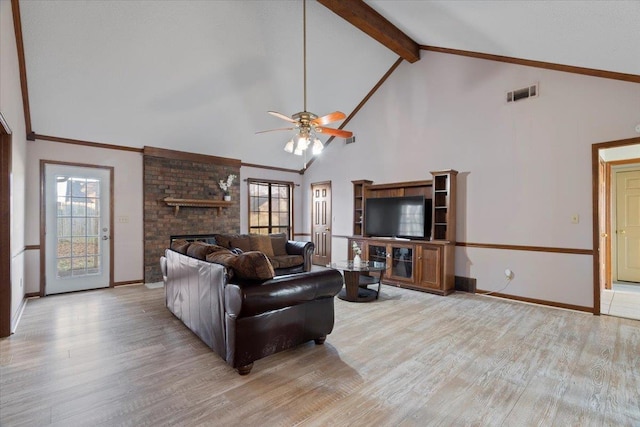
[(78, 226)]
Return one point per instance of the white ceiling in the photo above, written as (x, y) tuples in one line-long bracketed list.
[(598, 34), (199, 76)]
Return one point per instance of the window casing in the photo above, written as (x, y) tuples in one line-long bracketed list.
[(270, 207)]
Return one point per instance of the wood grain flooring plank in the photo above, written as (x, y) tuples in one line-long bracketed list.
[(584, 401), (119, 357)]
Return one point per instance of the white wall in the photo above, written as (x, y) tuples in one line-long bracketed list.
[(525, 167), (11, 108), (128, 202)]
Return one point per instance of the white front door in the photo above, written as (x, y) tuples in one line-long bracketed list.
[(628, 225), (77, 228)]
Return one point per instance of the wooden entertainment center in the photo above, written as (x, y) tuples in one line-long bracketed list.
[(426, 265)]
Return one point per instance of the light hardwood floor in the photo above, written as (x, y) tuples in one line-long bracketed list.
[(118, 357)]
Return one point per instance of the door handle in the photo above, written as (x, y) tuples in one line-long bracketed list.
[(105, 237), (604, 235), (328, 229), (622, 232)]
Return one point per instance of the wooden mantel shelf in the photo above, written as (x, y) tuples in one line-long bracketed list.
[(196, 203)]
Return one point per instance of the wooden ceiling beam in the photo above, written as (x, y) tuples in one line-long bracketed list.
[(364, 17)]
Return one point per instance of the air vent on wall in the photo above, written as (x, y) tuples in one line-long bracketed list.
[(523, 93)]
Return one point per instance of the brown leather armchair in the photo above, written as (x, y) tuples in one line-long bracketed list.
[(247, 320)]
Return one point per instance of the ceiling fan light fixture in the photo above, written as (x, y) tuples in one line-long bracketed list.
[(307, 124), (317, 147), (299, 150), (288, 147), (302, 140)]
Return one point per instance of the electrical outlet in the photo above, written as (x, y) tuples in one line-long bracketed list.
[(575, 219)]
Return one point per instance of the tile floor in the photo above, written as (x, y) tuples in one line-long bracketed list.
[(621, 301)]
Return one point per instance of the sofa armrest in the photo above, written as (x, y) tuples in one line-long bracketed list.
[(251, 298), (305, 249), (163, 268)]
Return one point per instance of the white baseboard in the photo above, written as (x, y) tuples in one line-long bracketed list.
[(18, 316)]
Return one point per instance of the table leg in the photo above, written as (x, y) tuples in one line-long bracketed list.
[(351, 282), (380, 283), (353, 292)]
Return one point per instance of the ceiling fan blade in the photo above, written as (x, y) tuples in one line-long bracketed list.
[(273, 130), (335, 132), (329, 118), (281, 116)]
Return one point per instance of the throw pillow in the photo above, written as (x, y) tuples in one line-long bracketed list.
[(223, 239), (200, 250), (261, 243), (223, 257), (241, 241), (279, 243), (180, 246), (253, 266), (248, 265)]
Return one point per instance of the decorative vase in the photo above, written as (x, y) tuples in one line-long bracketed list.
[(356, 260), (227, 198)]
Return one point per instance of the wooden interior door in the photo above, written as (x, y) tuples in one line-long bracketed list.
[(321, 222), (628, 225), (604, 223)]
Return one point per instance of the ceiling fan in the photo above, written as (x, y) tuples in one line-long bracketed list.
[(307, 125)]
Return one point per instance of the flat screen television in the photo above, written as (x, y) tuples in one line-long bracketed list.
[(405, 217)]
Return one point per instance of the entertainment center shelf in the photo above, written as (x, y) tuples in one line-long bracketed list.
[(426, 263), (358, 205), (415, 264)]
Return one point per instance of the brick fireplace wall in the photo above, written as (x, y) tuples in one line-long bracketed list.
[(176, 174)]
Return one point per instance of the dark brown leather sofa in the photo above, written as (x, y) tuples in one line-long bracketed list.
[(286, 256), (245, 320)]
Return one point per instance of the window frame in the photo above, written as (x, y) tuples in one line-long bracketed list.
[(270, 182)]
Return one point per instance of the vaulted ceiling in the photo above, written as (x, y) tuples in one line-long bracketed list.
[(200, 76)]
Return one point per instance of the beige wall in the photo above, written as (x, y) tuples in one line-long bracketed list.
[(127, 233), (11, 109), (525, 168)]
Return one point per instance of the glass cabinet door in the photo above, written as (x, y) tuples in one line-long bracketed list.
[(377, 253), (401, 263)]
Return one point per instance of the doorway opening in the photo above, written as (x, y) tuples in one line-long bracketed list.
[(616, 179), (77, 219)]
